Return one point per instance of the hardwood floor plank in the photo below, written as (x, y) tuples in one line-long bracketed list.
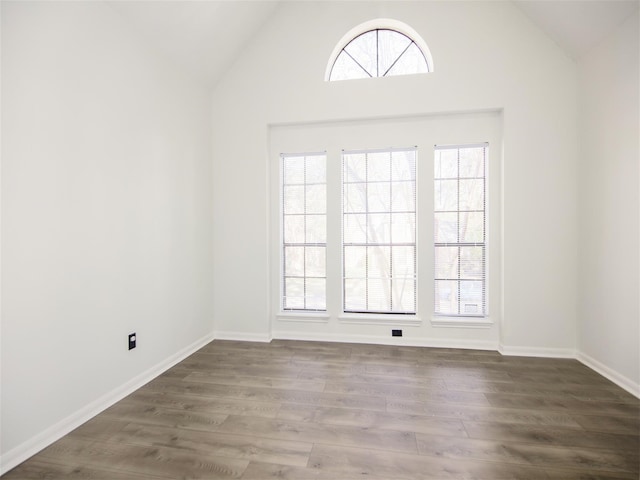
[(249, 447), (560, 436), (202, 404), (331, 411), (293, 383), (581, 392), (371, 379), (159, 461), (167, 417), (37, 469), (373, 419), (345, 462), (326, 434), (547, 455), (484, 414), (561, 403), (609, 423), (267, 471)]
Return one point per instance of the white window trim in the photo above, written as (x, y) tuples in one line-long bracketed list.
[(461, 322)]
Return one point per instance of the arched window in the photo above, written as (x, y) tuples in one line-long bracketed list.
[(380, 48)]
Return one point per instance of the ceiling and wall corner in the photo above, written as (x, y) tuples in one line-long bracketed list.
[(205, 37), (577, 26)]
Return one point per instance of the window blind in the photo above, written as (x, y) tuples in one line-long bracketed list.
[(379, 231), (304, 231), (460, 188)]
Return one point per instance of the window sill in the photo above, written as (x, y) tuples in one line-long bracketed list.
[(461, 322), (305, 317), (378, 319)]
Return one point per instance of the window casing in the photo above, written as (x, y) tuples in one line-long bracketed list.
[(379, 231), (460, 230), (304, 232)]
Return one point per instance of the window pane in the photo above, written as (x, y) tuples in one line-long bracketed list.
[(314, 261), (446, 297), (471, 263), (294, 293), (316, 171), (391, 44), (316, 294), (446, 163), (379, 197), (355, 197), (472, 194), (378, 166), (403, 294), (403, 227), (293, 228), (379, 261), (379, 295), (403, 196), (471, 162), (403, 165), (379, 230), (316, 229), (293, 199), (471, 227), (446, 263), (355, 167), (355, 262), (412, 61), (294, 261), (404, 262), (346, 68), (316, 198), (471, 297), (293, 170), (446, 195), (355, 294), (355, 228), (445, 227), (363, 51)]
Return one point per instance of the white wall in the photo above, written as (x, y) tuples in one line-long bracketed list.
[(487, 56), (106, 216), (609, 312)]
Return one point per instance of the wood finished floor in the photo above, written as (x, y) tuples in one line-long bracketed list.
[(306, 410)]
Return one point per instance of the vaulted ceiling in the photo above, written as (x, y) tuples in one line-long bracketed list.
[(205, 36)]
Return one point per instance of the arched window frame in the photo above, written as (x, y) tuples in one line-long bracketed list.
[(379, 24)]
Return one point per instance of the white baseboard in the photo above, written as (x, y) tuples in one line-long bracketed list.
[(537, 352), (380, 340), (629, 385), (242, 336), (22, 452)]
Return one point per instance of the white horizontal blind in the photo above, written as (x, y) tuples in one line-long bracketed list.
[(379, 231), (460, 230), (304, 231)]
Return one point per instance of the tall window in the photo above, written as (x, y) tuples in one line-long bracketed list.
[(304, 232), (460, 230), (379, 231)]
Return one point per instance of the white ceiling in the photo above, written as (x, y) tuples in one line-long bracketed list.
[(578, 25), (205, 36)]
